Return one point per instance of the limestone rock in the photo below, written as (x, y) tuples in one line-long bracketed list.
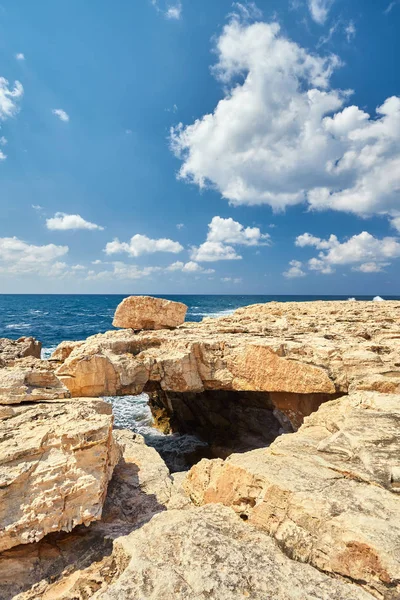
[(30, 380), (12, 349), (55, 464), (74, 566), (209, 553), (146, 312), (307, 352), (328, 493), (64, 349)]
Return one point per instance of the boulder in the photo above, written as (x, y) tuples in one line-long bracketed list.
[(55, 464), (329, 494), (210, 553), (145, 312)]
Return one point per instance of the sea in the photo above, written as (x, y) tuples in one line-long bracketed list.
[(55, 318)]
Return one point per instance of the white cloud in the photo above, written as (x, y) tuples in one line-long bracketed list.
[(62, 222), (222, 235), (295, 270), (319, 10), (61, 114), (20, 56), (281, 136), (363, 251), (390, 6), (180, 225), (247, 11), (37, 207), (174, 12), (9, 98), (350, 31), (18, 257), (141, 244), (231, 279), (121, 270), (189, 267), (213, 251)]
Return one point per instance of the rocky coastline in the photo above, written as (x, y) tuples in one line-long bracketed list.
[(293, 493)]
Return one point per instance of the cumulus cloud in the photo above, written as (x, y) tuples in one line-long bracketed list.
[(174, 12), (319, 10), (189, 267), (20, 56), (282, 136), (9, 98), (363, 252), (222, 235), (121, 270), (63, 222), (141, 244), (61, 114), (19, 258), (295, 270)]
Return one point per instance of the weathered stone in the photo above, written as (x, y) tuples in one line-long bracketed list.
[(328, 493), (209, 553), (30, 380), (13, 349), (74, 566), (307, 352), (64, 349), (146, 312), (55, 464)]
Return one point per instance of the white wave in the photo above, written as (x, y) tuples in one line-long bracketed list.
[(47, 352), (132, 412), (378, 299), (351, 299), (18, 326), (37, 312), (213, 315)]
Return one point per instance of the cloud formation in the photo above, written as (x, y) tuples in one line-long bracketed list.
[(189, 267), (141, 244), (362, 252), (319, 10), (63, 222), (61, 114), (281, 136), (222, 235), (20, 258), (9, 98), (295, 270)]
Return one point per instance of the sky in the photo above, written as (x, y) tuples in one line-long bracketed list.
[(200, 147)]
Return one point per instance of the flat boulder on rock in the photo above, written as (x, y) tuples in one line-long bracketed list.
[(13, 349), (55, 464), (146, 312)]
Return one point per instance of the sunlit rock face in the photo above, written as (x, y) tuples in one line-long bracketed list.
[(55, 463), (145, 312), (329, 494), (11, 350)]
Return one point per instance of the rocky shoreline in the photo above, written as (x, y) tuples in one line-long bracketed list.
[(293, 495)]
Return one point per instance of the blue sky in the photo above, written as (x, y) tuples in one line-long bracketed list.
[(200, 147)]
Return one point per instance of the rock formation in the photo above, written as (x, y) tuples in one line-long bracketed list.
[(30, 380), (13, 349), (55, 464), (145, 312), (293, 355), (328, 493)]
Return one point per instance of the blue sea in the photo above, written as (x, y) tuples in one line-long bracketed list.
[(54, 318)]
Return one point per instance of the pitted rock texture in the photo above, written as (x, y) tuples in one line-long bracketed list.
[(329, 493), (210, 553), (76, 565), (291, 349), (55, 464), (146, 312), (30, 380), (13, 349)]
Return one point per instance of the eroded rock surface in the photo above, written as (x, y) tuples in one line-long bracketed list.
[(30, 380), (329, 493), (74, 566), (146, 312), (55, 464), (13, 349), (300, 354), (209, 553)]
